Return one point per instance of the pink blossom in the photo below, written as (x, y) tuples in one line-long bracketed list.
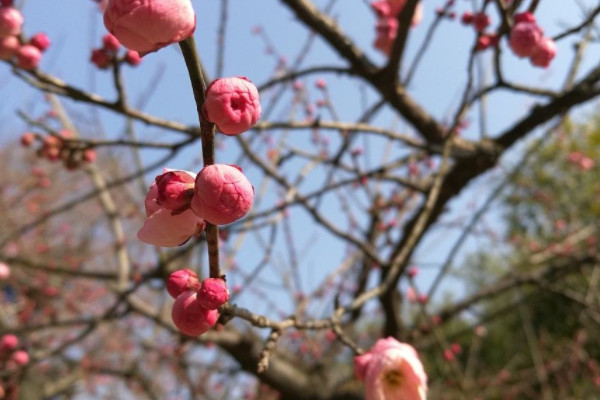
[(41, 41), (391, 370), (9, 342), (11, 22), (543, 53), (20, 357), (4, 271), (182, 281), (28, 57), (524, 38), (175, 190), (213, 293), (161, 228), (223, 194), (147, 25), (190, 317), (232, 104), (9, 47)]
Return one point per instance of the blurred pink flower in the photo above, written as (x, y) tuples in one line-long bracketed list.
[(11, 21)]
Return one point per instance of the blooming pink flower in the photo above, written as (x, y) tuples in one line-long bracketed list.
[(222, 195), (147, 25), (9, 342), (20, 357), (161, 228), (4, 271), (175, 190), (182, 281), (213, 293), (232, 104), (28, 57), (190, 317), (9, 47), (41, 41), (524, 38), (11, 22), (391, 370), (543, 53)]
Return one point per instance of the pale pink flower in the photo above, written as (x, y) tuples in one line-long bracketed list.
[(28, 57), (213, 293), (11, 21), (182, 281), (543, 53), (147, 25), (190, 317), (223, 194), (391, 371), (162, 228), (586, 164), (232, 104), (4, 271), (524, 38), (9, 47)]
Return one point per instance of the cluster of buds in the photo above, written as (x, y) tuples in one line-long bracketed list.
[(527, 40), (179, 203), (27, 54), (103, 57), (387, 12), (147, 25), (11, 359), (58, 148), (195, 309)]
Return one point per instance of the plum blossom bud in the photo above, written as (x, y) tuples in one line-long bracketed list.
[(28, 57), (232, 104), (524, 38), (467, 18), (213, 293), (4, 271), (41, 41), (190, 317), (543, 53), (147, 25), (391, 370), (524, 17), (9, 342), (481, 21), (89, 155), (101, 58), (110, 43), (11, 21), (133, 58), (182, 281), (175, 190), (321, 83), (222, 195), (20, 358), (9, 47)]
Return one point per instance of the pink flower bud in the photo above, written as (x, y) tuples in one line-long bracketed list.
[(182, 281), (11, 21), (89, 155), (467, 18), (133, 58), (110, 43), (524, 38), (190, 317), (524, 17), (9, 342), (20, 358), (100, 58), (543, 53), (391, 370), (232, 104), (321, 84), (28, 57), (213, 293), (41, 41), (222, 195), (481, 21), (9, 47), (147, 25), (4, 271), (175, 190), (413, 271)]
